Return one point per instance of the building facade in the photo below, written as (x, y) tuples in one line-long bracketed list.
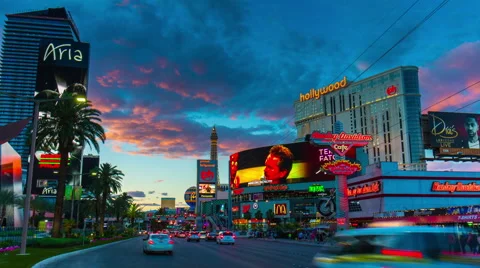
[(386, 106), (168, 202), (22, 35), (387, 192)]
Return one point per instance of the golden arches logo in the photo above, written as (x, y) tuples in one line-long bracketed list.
[(280, 209)]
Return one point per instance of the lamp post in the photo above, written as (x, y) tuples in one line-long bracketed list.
[(26, 209)]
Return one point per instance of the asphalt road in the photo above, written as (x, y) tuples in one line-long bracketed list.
[(246, 253)]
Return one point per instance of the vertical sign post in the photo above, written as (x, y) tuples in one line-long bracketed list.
[(341, 143)]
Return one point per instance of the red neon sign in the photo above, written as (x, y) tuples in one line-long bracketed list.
[(331, 137), (391, 90), (49, 161), (458, 187), (207, 175), (364, 189), (342, 167), (275, 188)]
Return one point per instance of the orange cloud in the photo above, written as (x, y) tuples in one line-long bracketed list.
[(176, 89), (139, 83), (206, 97), (145, 70), (456, 70), (111, 79)]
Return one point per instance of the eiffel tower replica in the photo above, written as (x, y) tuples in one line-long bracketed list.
[(214, 152)]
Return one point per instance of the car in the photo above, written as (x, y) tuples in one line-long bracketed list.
[(203, 235), (212, 236), (181, 235), (158, 243), (193, 236), (404, 246), (226, 237)]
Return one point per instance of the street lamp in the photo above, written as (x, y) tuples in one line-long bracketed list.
[(26, 212), (73, 191)]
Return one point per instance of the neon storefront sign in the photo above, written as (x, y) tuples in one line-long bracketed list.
[(368, 188), (341, 143), (316, 189), (342, 167), (457, 187)]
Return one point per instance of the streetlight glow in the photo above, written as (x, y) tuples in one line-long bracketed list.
[(81, 99)]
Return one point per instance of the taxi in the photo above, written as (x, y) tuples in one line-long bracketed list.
[(404, 246)]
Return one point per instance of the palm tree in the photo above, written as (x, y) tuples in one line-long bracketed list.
[(110, 179), (134, 212), (258, 215), (121, 205), (7, 198), (37, 205), (69, 125)]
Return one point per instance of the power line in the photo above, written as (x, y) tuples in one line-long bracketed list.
[(458, 92), (376, 40), (425, 19)]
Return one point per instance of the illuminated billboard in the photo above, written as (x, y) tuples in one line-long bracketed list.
[(454, 130), (206, 190), (206, 171), (62, 63), (282, 164)]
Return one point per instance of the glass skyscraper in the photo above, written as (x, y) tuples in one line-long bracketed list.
[(19, 60)]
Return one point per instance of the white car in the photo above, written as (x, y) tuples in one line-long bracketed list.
[(226, 238), (155, 243)]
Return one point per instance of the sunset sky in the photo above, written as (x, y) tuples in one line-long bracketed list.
[(163, 72)]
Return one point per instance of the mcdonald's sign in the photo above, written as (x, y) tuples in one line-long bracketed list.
[(280, 209)]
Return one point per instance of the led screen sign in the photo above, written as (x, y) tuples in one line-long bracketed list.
[(455, 187), (316, 189), (254, 167), (316, 94), (206, 190)]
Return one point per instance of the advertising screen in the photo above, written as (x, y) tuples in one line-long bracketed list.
[(206, 171), (454, 130), (206, 190), (282, 164)]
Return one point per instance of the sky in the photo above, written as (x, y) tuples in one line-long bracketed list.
[(164, 72)]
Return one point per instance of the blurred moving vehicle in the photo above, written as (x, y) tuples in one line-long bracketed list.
[(212, 236), (181, 234), (193, 236), (158, 243), (203, 235), (410, 246), (226, 237)]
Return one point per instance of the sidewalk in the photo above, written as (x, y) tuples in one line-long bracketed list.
[(291, 241)]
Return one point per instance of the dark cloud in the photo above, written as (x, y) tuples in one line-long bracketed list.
[(164, 194), (151, 192), (136, 194)]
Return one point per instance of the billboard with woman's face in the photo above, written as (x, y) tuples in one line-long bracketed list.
[(281, 164)]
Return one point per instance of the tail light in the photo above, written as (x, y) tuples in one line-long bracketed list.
[(234, 237), (221, 237), (150, 242), (402, 253), (171, 242)]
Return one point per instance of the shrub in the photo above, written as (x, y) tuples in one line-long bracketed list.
[(57, 242)]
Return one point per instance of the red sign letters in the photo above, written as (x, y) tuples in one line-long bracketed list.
[(342, 167), (373, 187), (457, 187)]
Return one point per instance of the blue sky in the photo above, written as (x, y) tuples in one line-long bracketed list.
[(164, 72)]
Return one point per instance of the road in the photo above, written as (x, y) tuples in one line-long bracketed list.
[(246, 253)]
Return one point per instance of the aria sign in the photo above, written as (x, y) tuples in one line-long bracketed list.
[(342, 167), (64, 53), (342, 142), (368, 188), (457, 187)]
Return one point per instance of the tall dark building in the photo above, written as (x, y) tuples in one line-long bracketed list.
[(22, 35)]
